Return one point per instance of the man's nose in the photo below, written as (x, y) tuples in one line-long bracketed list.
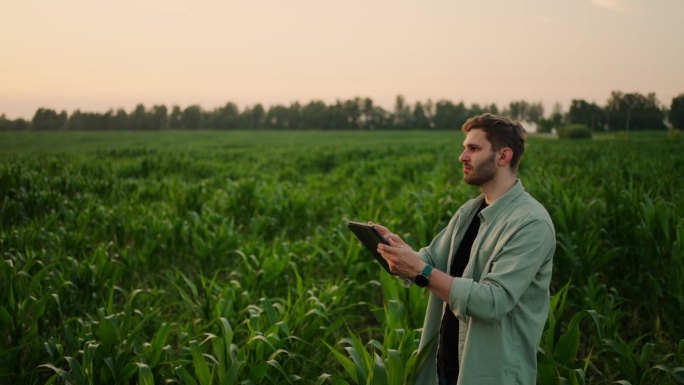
[(462, 158)]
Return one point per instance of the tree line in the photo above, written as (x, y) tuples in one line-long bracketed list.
[(622, 111)]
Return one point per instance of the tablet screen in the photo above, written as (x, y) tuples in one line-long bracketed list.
[(370, 237)]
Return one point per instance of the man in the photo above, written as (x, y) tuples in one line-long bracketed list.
[(488, 271)]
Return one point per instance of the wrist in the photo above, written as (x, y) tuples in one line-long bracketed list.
[(423, 278)]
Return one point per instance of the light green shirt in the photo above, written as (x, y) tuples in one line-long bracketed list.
[(502, 300)]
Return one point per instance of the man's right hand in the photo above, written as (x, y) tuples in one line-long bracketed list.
[(388, 234)]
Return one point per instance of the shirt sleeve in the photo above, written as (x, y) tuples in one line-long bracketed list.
[(512, 271)]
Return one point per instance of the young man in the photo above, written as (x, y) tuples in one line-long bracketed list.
[(488, 271)]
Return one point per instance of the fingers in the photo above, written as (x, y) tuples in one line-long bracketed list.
[(395, 240), (382, 229)]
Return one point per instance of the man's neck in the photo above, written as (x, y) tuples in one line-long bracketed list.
[(498, 186)]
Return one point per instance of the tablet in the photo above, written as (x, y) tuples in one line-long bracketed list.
[(370, 237)]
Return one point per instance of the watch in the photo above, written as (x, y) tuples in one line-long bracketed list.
[(423, 278)]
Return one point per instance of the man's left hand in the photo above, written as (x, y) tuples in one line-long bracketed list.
[(401, 258)]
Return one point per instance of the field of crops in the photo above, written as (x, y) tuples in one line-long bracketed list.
[(223, 257)]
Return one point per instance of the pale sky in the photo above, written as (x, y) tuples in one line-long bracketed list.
[(95, 55)]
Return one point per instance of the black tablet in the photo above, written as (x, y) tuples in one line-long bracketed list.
[(370, 237)]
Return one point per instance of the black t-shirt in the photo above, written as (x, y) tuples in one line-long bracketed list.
[(447, 354)]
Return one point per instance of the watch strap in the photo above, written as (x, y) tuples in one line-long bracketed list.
[(427, 270)]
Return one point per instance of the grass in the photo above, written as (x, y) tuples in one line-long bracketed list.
[(223, 257)]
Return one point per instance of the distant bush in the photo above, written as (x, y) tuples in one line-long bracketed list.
[(574, 131), (545, 126)]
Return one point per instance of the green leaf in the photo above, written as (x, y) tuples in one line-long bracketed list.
[(678, 374), (128, 371), (157, 345), (5, 317), (568, 343), (231, 376), (379, 371), (346, 363), (76, 371), (258, 372), (185, 376), (357, 353), (577, 377), (418, 359), (395, 375), (646, 353), (109, 332), (145, 376), (200, 363)]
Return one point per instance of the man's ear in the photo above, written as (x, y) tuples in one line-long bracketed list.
[(505, 156)]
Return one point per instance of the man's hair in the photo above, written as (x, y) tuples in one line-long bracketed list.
[(500, 132)]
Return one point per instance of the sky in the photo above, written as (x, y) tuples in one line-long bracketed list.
[(96, 55)]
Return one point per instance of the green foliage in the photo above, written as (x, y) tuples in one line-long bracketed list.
[(589, 114), (574, 131), (524, 111), (677, 112), (557, 356), (634, 111), (223, 258)]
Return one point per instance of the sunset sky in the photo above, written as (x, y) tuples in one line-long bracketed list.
[(95, 55)]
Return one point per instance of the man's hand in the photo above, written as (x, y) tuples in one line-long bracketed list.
[(390, 236), (400, 257)]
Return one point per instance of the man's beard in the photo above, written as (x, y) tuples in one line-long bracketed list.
[(483, 173)]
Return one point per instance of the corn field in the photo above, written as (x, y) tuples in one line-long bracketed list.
[(223, 257)]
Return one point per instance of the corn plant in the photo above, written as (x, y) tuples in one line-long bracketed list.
[(224, 257)]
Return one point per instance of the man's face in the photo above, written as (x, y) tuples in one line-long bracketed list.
[(478, 159)]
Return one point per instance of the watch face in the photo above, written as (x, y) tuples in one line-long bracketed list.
[(421, 280)]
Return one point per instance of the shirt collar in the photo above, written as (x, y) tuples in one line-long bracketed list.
[(491, 211)]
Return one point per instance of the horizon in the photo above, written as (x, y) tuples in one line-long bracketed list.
[(97, 57)]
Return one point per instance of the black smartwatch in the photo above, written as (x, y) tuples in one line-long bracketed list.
[(423, 278)]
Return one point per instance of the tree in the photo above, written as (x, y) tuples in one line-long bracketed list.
[(450, 116), (175, 118), (278, 117), (557, 114), (589, 114), (12, 125), (192, 117), (90, 121), (375, 117), (315, 116), (294, 116), (337, 117), (554, 121), (49, 120), (535, 112), (225, 118), (366, 119), (524, 111), (516, 110), (352, 113), (421, 121), (137, 119), (159, 118), (253, 118), (677, 112), (402, 113), (634, 111)]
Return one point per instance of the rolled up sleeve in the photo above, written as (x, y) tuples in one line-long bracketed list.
[(511, 272)]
